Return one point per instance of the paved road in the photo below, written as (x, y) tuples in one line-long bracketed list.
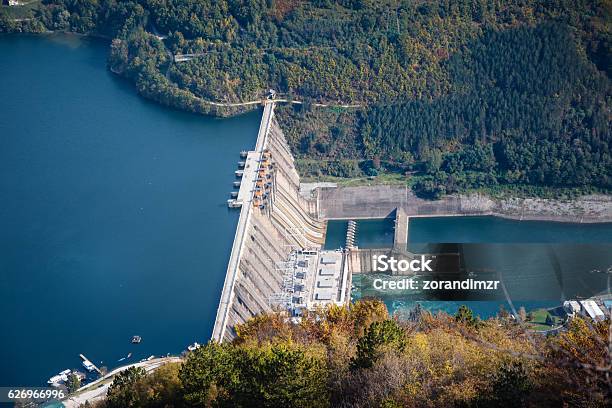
[(97, 390)]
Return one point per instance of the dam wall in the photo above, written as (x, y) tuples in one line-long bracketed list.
[(274, 221)]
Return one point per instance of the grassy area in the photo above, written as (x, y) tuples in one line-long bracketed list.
[(500, 192), (381, 179), (538, 322)]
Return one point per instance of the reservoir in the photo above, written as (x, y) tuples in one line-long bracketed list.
[(113, 220)]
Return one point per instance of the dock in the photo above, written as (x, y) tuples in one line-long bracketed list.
[(86, 360)]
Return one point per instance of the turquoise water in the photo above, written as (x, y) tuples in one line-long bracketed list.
[(113, 220), (483, 309), (370, 233), (541, 263), (480, 229), (501, 230)]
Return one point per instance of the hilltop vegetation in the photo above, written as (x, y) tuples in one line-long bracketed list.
[(359, 357), (460, 95)]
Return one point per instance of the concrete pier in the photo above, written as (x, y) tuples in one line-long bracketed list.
[(400, 239), (85, 359)]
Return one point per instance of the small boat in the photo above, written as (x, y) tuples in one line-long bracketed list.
[(193, 347), (136, 339), (125, 358), (231, 203), (56, 380), (151, 357), (62, 377), (88, 365)]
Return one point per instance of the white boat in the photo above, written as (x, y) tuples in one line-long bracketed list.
[(59, 378), (193, 346), (88, 365), (56, 379)]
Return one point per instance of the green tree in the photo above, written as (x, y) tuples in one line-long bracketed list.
[(207, 372), (378, 337), (73, 383), (122, 393), (281, 375), (466, 316)]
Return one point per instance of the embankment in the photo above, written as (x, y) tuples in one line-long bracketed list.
[(380, 201)]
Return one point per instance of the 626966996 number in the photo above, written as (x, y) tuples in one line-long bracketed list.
[(13, 394)]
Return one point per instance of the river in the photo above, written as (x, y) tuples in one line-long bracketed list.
[(113, 220)]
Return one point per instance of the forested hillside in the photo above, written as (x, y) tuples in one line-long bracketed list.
[(359, 357), (458, 94)]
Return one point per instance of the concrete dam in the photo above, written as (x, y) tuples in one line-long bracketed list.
[(276, 259)]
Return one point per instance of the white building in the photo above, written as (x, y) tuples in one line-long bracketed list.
[(571, 307), (590, 309)]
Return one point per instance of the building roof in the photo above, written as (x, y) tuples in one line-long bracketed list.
[(329, 259), (327, 271), (592, 310), (572, 305)]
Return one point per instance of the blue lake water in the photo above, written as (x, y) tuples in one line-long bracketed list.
[(113, 219)]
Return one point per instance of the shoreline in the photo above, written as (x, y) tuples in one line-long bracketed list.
[(558, 220)]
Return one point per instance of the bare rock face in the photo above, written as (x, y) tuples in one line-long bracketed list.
[(380, 201), (477, 203), (592, 208)]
